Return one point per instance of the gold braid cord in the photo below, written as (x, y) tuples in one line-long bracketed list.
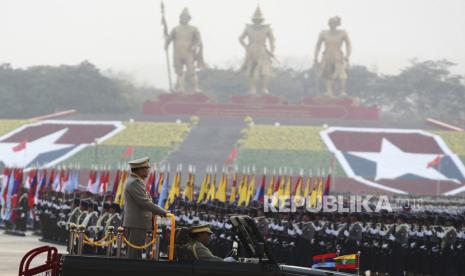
[(137, 246), (103, 242)]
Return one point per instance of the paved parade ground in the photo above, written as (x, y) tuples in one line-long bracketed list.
[(13, 248)]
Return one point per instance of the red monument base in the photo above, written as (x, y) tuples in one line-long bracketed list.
[(260, 106)]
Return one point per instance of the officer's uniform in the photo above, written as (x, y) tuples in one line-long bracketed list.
[(138, 209), (114, 218), (200, 251), (23, 210)]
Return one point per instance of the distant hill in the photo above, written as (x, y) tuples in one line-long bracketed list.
[(41, 90)]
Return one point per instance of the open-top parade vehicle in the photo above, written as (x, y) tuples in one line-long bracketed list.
[(252, 257)]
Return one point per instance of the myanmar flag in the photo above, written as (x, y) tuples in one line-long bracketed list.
[(347, 261)]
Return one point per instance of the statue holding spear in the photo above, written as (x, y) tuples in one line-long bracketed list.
[(187, 51)]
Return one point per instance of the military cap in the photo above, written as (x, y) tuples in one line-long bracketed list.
[(204, 228), (116, 207), (140, 163), (84, 203), (402, 216)]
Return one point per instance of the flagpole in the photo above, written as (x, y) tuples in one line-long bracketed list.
[(358, 262), (438, 181)]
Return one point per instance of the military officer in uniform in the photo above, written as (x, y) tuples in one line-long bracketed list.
[(139, 208), (114, 218), (200, 237), (22, 212), (400, 242)]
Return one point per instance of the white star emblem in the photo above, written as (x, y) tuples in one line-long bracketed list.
[(32, 151), (392, 163)]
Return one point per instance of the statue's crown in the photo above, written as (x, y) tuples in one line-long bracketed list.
[(185, 13), (258, 14)]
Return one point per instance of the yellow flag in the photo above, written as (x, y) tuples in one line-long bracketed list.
[(118, 193), (286, 193), (250, 190), (173, 190), (243, 190), (188, 191), (298, 187), (320, 188), (160, 182), (269, 191), (203, 188), (282, 186), (233, 195), (313, 198), (119, 197), (299, 200), (186, 194), (280, 191), (211, 190), (221, 192), (177, 190)]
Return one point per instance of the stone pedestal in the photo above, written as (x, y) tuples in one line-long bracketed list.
[(260, 106)]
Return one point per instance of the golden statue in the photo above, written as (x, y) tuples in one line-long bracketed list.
[(333, 64), (187, 51), (257, 63)]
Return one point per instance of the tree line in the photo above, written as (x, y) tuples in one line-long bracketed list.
[(422, 89)]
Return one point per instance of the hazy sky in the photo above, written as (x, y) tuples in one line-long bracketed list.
[(126, 35)]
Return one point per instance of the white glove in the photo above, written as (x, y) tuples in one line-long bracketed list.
[(229, 260)]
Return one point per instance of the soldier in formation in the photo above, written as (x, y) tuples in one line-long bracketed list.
[(390, 243)]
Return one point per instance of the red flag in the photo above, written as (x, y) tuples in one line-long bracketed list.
[(277, 184), (21, 146), (92, 179), (116, 182), (298, 185), (104, 180), (150, 181), (32, 187), (43, 182), (6, 180), (327, 184), (50, 180), (232, 156), (324, 257), (107, 180), (435, 162), (64, 176), (129, 152), (18, 180)]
